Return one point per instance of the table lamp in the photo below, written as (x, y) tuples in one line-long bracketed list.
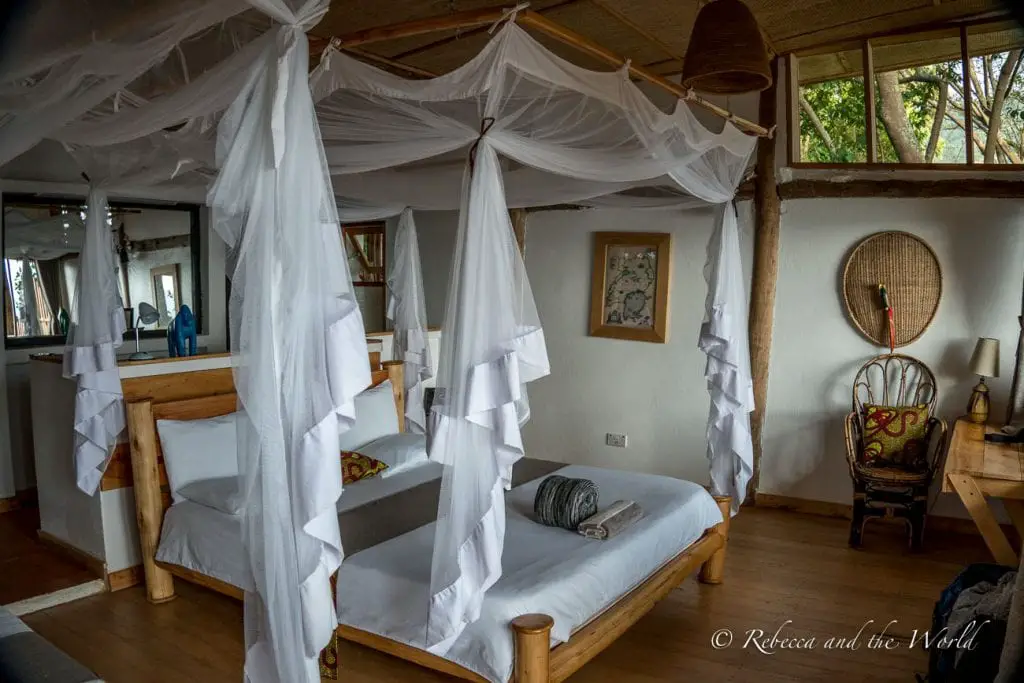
[(984, 363), (147, 316)]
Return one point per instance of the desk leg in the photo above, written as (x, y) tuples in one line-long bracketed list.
[(1015, 508), (974, 500)]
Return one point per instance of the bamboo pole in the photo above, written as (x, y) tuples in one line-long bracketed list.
[(529, 18), (767, 206)]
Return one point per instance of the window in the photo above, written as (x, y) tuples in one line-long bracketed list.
[(913, 113), (364, 244), (157, 255)]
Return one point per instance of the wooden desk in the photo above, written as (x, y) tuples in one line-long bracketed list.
[(976, 468)]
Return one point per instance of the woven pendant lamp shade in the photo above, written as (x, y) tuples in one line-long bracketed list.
[(726, 53)]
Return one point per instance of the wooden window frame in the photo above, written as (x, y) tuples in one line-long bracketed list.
[(867, 73)]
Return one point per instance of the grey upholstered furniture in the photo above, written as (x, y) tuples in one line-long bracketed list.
[(27, 657)]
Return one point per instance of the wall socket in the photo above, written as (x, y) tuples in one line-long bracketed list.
[(616, 440)]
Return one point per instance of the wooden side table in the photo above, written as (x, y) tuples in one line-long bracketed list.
[(976, 468)]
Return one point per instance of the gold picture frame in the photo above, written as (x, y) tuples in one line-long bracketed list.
[(630, 284)]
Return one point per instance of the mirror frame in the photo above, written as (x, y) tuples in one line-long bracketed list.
[(9, 198)]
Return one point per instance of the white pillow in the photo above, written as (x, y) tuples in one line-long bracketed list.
[(400, 452), (220, 494), (198, 449), (375, 417)]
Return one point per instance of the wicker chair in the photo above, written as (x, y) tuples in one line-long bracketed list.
[(892, 491)]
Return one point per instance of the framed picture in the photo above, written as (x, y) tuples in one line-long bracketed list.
[(629, 286)]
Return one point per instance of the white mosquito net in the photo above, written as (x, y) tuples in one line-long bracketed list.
[(90, 356), (298, 336), (517, 126), (185, 93), (407, 310), (180, 94)]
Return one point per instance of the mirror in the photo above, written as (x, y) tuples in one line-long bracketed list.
[(364, 245), (166, 293), (156, 256)]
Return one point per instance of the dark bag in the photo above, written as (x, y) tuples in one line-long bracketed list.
[(980, 663)]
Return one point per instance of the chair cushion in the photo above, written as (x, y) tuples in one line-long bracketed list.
[(895, 436)]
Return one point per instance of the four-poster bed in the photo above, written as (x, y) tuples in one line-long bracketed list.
[(516, 126), (535, 660)]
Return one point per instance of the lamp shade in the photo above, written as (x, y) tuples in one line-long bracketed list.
[(726, 53), (985, 361)]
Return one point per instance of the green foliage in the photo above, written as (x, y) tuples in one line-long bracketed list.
[(839, 105)]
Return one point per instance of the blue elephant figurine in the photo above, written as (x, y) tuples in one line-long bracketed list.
[(182, 329)]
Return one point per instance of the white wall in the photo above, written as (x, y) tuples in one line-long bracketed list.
[(436, 232), (653, 393), (816, 351)]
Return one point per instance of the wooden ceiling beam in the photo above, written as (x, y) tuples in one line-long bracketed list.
[(473, 32), (898, 189), (391, 63), (847, 34), (419, 27)]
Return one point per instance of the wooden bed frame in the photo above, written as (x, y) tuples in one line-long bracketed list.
[(535, 660)]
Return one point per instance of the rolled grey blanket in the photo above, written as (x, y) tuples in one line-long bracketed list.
[(565, 502), (618, 517)]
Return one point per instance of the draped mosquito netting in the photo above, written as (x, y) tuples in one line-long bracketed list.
[(514, 127), (215, 94)]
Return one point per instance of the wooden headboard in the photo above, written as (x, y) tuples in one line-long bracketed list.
[(152, 495)]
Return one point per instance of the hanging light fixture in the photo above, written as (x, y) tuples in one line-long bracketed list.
[(726, 53)]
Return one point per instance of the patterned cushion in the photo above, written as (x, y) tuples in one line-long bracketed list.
[(356, 466), (896, 436)]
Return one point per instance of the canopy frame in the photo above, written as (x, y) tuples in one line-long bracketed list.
[(530, 19)]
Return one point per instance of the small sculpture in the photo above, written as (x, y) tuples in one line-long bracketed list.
[(182, 328)]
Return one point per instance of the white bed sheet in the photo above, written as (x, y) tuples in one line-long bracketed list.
[(209, 541), (385, 589)]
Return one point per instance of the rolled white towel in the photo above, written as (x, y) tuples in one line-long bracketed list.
[(611, 521)]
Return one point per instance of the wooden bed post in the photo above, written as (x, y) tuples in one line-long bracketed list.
[(767, 207), (533, 648), (713, 570), (396, 369), (148, 500)]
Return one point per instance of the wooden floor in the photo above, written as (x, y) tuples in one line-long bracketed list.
[(781, 566), (29, 567)]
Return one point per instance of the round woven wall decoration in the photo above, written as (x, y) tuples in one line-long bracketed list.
[(910, 272)]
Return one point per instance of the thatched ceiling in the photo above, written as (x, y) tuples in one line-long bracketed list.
[(650, 32)]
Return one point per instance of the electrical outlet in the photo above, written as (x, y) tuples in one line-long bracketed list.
[(616, 440)]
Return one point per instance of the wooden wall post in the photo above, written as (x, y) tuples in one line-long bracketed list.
[(396, 373), (533, 648), (148, 502), (713, 570), (518, 217), (767, 206)]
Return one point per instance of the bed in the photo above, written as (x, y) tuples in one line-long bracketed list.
[(385, 589), (531, 632)]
